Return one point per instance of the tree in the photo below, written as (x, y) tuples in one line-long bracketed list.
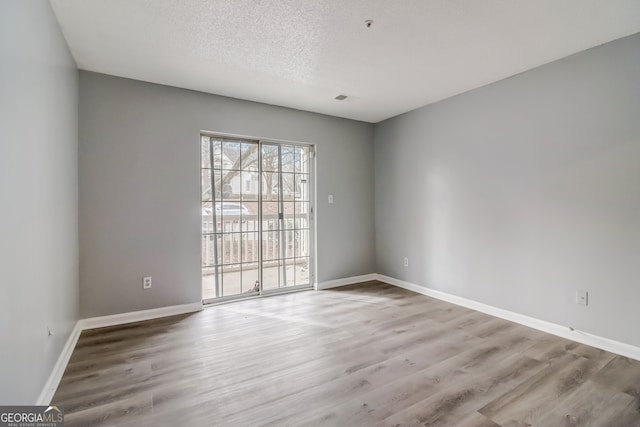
[(244, 156)]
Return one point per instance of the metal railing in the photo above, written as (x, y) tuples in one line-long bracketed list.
[(238, 241)]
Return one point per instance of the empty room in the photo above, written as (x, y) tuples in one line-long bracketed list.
[(320, 213)]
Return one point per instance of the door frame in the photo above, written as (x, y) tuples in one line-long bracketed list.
[(312, 218)]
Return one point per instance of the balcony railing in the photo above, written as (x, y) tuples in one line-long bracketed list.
[(237, 239)]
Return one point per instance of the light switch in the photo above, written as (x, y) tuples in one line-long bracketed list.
[(582, 297)]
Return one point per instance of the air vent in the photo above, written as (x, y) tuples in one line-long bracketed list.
[(341, 97)]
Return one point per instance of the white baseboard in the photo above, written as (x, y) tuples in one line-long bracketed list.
[(53, 381), (138, 316), (607, 344), (346, 281), (51, 385)]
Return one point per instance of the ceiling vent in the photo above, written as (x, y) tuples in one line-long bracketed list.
[(341, 97)]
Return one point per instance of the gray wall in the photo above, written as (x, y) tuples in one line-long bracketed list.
[(38, 189), (517, 193), (140, 188)]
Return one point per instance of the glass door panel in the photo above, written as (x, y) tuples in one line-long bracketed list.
[(230, 257), (285, 212)]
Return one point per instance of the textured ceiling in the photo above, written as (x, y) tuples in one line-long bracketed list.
[(303, 53)]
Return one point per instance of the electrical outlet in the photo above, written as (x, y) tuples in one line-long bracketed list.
[(582, 297), (146, 282), (406, 262), (330, 198)]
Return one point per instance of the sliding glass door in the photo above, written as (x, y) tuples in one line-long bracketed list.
[(256, 217)]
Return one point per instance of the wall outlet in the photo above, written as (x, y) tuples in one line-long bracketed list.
[(146, 282), (582, 297), (330, 198), (405, 262)]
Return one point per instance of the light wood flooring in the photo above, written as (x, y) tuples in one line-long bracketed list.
[(363, 355)]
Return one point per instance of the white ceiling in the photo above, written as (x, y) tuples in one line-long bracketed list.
[(302, 53)]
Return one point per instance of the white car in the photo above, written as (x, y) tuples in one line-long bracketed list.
[(227, 209)]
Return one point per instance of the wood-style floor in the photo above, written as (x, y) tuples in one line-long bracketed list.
[(363, 355)]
